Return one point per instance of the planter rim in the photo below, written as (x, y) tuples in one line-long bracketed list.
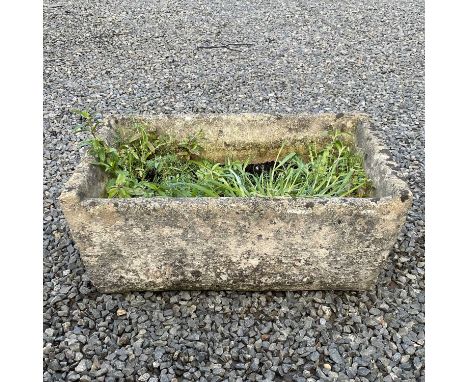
[(400, 189), (231, 199)]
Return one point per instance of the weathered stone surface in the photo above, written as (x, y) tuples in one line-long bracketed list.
[(240, 243), (256, 137)]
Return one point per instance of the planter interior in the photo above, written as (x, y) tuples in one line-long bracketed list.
[(279, 243)]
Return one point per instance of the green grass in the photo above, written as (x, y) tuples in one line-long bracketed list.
[(143, 163)]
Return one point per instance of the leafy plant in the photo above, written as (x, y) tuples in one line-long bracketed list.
[(144, 163)]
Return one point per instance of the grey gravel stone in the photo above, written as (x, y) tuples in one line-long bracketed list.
[(335, 356), (363, 371), (145, 377), (150, 57), (83, 365), (49, 332)]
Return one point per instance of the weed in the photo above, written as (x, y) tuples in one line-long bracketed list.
[(143, 163)]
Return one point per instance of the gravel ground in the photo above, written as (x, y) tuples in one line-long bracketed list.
[(175, 57)]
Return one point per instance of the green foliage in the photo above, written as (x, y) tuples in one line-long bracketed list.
[(146, 164)]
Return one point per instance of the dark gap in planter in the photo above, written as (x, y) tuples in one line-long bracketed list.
[(251, 168), (259, 168)]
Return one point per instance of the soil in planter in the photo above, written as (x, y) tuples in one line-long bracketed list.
[(145, 164)]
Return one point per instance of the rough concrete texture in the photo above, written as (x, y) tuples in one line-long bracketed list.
[(240, 243), (232, 135)]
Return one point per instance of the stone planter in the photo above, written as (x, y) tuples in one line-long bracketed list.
[(240, 243)]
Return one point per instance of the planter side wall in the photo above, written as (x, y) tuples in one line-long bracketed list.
[(253, 137), (230, 244)]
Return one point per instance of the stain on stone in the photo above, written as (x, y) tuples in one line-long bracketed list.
[(81, 195), (115, 252), (404, 195), (371, 225), (196, 274), (339, 115), (323, 201)]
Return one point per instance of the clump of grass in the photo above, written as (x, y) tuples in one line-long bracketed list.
[(144, 163)]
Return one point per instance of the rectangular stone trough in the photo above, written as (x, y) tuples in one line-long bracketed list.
[(278, 243)]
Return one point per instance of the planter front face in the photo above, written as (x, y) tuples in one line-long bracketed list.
[(240, 243)]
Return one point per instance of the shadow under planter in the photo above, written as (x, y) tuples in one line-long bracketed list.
[(254, 243)]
